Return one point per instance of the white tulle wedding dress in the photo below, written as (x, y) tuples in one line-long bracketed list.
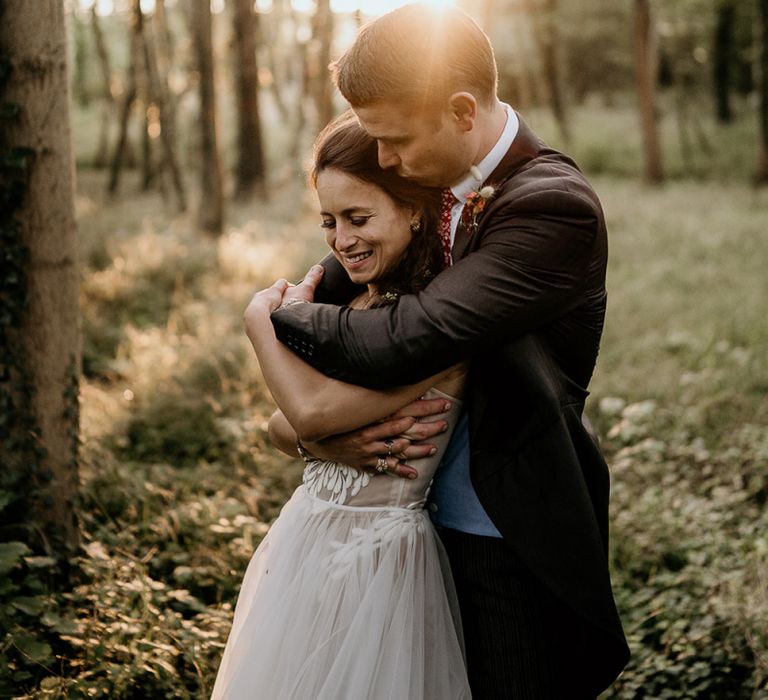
[(349, 596)]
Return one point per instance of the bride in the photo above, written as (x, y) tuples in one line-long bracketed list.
[(349, 595)]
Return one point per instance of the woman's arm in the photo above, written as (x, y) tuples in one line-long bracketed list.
[(282, 435), (315, 405)]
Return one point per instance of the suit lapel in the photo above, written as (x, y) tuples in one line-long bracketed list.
[(524, 148)]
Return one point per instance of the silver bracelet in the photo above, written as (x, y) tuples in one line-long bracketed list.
[(304, 453), (291, 302)]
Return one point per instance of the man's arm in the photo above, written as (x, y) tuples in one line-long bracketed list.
[(530, 268), (335, 286)]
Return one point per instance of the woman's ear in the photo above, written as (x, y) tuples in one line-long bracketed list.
[(463, 108)]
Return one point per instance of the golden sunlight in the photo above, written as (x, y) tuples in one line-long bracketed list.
[(375, 8)]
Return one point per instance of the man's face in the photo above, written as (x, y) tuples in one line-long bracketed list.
[(429, 149)]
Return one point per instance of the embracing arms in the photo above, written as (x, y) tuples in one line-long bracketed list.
[(314, 405), (537, 253)]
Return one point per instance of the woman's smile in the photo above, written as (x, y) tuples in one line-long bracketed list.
[(367, 232)]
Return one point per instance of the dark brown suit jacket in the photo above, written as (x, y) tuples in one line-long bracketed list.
[(525, 303)]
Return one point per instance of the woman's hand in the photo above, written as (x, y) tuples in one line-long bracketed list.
[(262, 304)]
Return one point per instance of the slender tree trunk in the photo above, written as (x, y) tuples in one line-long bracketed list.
[(550, 43), (251, 169), (322, 38), (211, 211), (108, 103), (645, 77), (722, 60), (761, 174), (33, 35), (543, 15), (163, 125), (129, 97)]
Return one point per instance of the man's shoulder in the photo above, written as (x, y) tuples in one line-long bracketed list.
[(549, 179)]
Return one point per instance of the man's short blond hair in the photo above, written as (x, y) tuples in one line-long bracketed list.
[(417, 55)]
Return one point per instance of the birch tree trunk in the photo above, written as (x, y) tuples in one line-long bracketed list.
[(33, 36), (645, 78)]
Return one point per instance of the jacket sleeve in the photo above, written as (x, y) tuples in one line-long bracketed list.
[(335, 287), (530, 266)]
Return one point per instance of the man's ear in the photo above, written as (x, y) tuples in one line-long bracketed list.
[(463, 109)]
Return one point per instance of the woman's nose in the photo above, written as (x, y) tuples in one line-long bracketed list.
[(345, 237)]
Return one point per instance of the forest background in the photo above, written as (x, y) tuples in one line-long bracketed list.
[(136, 475)]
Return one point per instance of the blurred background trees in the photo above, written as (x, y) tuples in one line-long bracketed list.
[(191, 123), (692, 68)]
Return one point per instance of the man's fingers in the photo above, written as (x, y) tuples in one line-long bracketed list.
[(386, 429), (424, 431), (423, 407), (395, 467), (417, 451), (280, 286)]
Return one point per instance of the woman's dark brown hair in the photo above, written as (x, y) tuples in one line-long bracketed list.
[(344, 146)]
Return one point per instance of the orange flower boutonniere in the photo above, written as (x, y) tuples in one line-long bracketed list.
[(474, 206)]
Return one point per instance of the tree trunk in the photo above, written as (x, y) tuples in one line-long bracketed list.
[(161, 123), (543, 15), (722, 60), (211, 210), (322, 36), (645, 77), (34, 37), (121, 147), (108, 103), (251, 169), (761, 174)]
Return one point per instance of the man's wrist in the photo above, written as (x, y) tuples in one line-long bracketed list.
[(291, 302)]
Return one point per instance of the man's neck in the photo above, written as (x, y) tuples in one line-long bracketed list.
[(491, 122)]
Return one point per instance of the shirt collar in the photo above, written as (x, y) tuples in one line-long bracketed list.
[(488, 164)]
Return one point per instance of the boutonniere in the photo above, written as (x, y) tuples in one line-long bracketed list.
[(474, 206)]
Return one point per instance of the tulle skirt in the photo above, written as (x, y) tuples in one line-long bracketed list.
[(345, 603)]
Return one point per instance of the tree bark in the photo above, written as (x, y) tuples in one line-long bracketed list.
[(33, 35), (211, 209), (251, 168), (761, 174), (645, 78)]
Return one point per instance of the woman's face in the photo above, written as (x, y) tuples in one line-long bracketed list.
[(367, 232)]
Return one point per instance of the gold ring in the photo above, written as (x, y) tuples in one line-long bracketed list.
[(389, 444), (381, 464)]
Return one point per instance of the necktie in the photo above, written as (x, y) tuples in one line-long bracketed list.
[(447, 201)]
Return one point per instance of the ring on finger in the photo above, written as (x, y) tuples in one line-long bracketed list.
[(381, 465), (389, 444)]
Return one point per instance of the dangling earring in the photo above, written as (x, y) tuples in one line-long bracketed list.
[(415, 225)]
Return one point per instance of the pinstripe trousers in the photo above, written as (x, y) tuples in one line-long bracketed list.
[(522, 643)]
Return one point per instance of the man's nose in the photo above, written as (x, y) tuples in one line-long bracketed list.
[(388, 158)]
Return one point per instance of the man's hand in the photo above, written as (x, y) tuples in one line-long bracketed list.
[(396, 439), (305, 290)]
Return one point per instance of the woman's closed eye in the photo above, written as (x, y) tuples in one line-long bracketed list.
[(359, 220)]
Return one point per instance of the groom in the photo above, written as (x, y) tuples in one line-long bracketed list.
[(521, 501)]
